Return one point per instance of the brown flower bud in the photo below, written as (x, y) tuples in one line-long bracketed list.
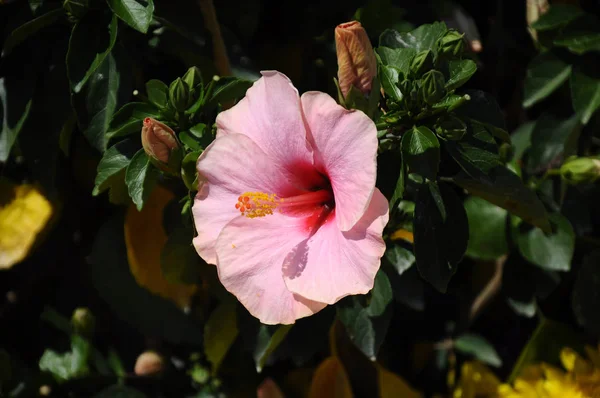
[(149, 363), (357, 65), (161, 145)]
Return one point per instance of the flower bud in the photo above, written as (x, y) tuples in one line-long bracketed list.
[(421, 63), (451, 44), (149, 363), (179, 94), (434, 86), (83, 322), (192, 77), (161, 145), (580, 170), (357, 65), (450, 128)]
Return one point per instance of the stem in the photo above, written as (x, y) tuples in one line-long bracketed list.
[(219, 50), (490, 290)]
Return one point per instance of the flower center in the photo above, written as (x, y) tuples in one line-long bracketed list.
[(260, 204)]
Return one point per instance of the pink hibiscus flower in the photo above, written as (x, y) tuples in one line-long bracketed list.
[(288, 209)]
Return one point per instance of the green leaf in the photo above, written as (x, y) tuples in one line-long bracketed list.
[(129, 119), (553, 251), (476, 154), (482, 107), (228, 89), (423, 38), (586, 294), (70, 365), (521, 139), (91, 41), (400, 258), (504, 188), (140, 177), (545, 73), (267, 344), (480, 348), (399, 58), (557, 16), (98, 100), (585, 90), (16, 104), (389, 75), (449, 237), (220, 332), (367, 325), (179, 260), (135, 13), (552, 140), (460, 71), (144, 310), (158, 93), (30, 28), (421, 152), (580, 35), (487, 229), (114, 160), (189, 173), (399, 189), (119, 391)]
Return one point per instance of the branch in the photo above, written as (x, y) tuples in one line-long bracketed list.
[(490, 290), (219, 51)]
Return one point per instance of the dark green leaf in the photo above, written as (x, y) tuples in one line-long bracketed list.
[(16, 101), (482, 107), (114, 160), (119, 391), (450, 102), (381, 295), (586, 294), (581, 35), (487, 229), (140, 177), (460, 71), (552, 140), (557, 15), (158, 93), (388, 76), (152, 315), (91, 41), (551, 252), (228, 89), (30, 28), (585, 90), (188, 170), (545, 73), (399, 58), (476, 154), (505, 189), (128, 119), (420, 39), (70, 365), (399, 189), (179, 260), (267, 343), (449, 237), (421, 152), (400, 258), (521, 139), (480, 348), (135, 13)]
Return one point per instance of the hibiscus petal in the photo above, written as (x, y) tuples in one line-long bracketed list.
[(231, 165), (271, 116), (346, 150), (250, 255), (333, 264)]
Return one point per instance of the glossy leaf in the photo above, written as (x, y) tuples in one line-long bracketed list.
[(29, 29), (228, 89), (128, 119), (114, 160), (521, 139), (449, 236), (91, 41), (553, 251), (586, 294), (399, 58), (70, 365), (460, 71), (400, 258), (135, 13), (545, 74), (482, 107), (267, 343), (487, 229), (557, 16), (140, 177), (16, 104), (389, 77), (581, 35), (477, 153), (421, 152), (480, 348), (158, 93), (420, 39), (585, 91)]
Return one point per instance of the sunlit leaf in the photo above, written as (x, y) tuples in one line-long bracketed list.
[(135, 13)]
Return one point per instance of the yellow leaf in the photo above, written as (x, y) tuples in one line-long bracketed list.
[(219, 333), (392, 385), (145, 238), (403, 234), (330, 381), (24, 212)]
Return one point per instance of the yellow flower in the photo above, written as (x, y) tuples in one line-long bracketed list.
[(476, 381)]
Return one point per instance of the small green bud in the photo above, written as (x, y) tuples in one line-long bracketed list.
[(421, 63), (450, 128), (192, 77), (580, 170), (83, 322), (434, 86), (452, 44), (76, 9), (179, 94)]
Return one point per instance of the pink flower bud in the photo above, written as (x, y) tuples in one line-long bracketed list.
[(357, 65), (149, 363), (158, 140)]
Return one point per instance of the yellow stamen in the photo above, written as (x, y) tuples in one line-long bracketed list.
[(257, 204)]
